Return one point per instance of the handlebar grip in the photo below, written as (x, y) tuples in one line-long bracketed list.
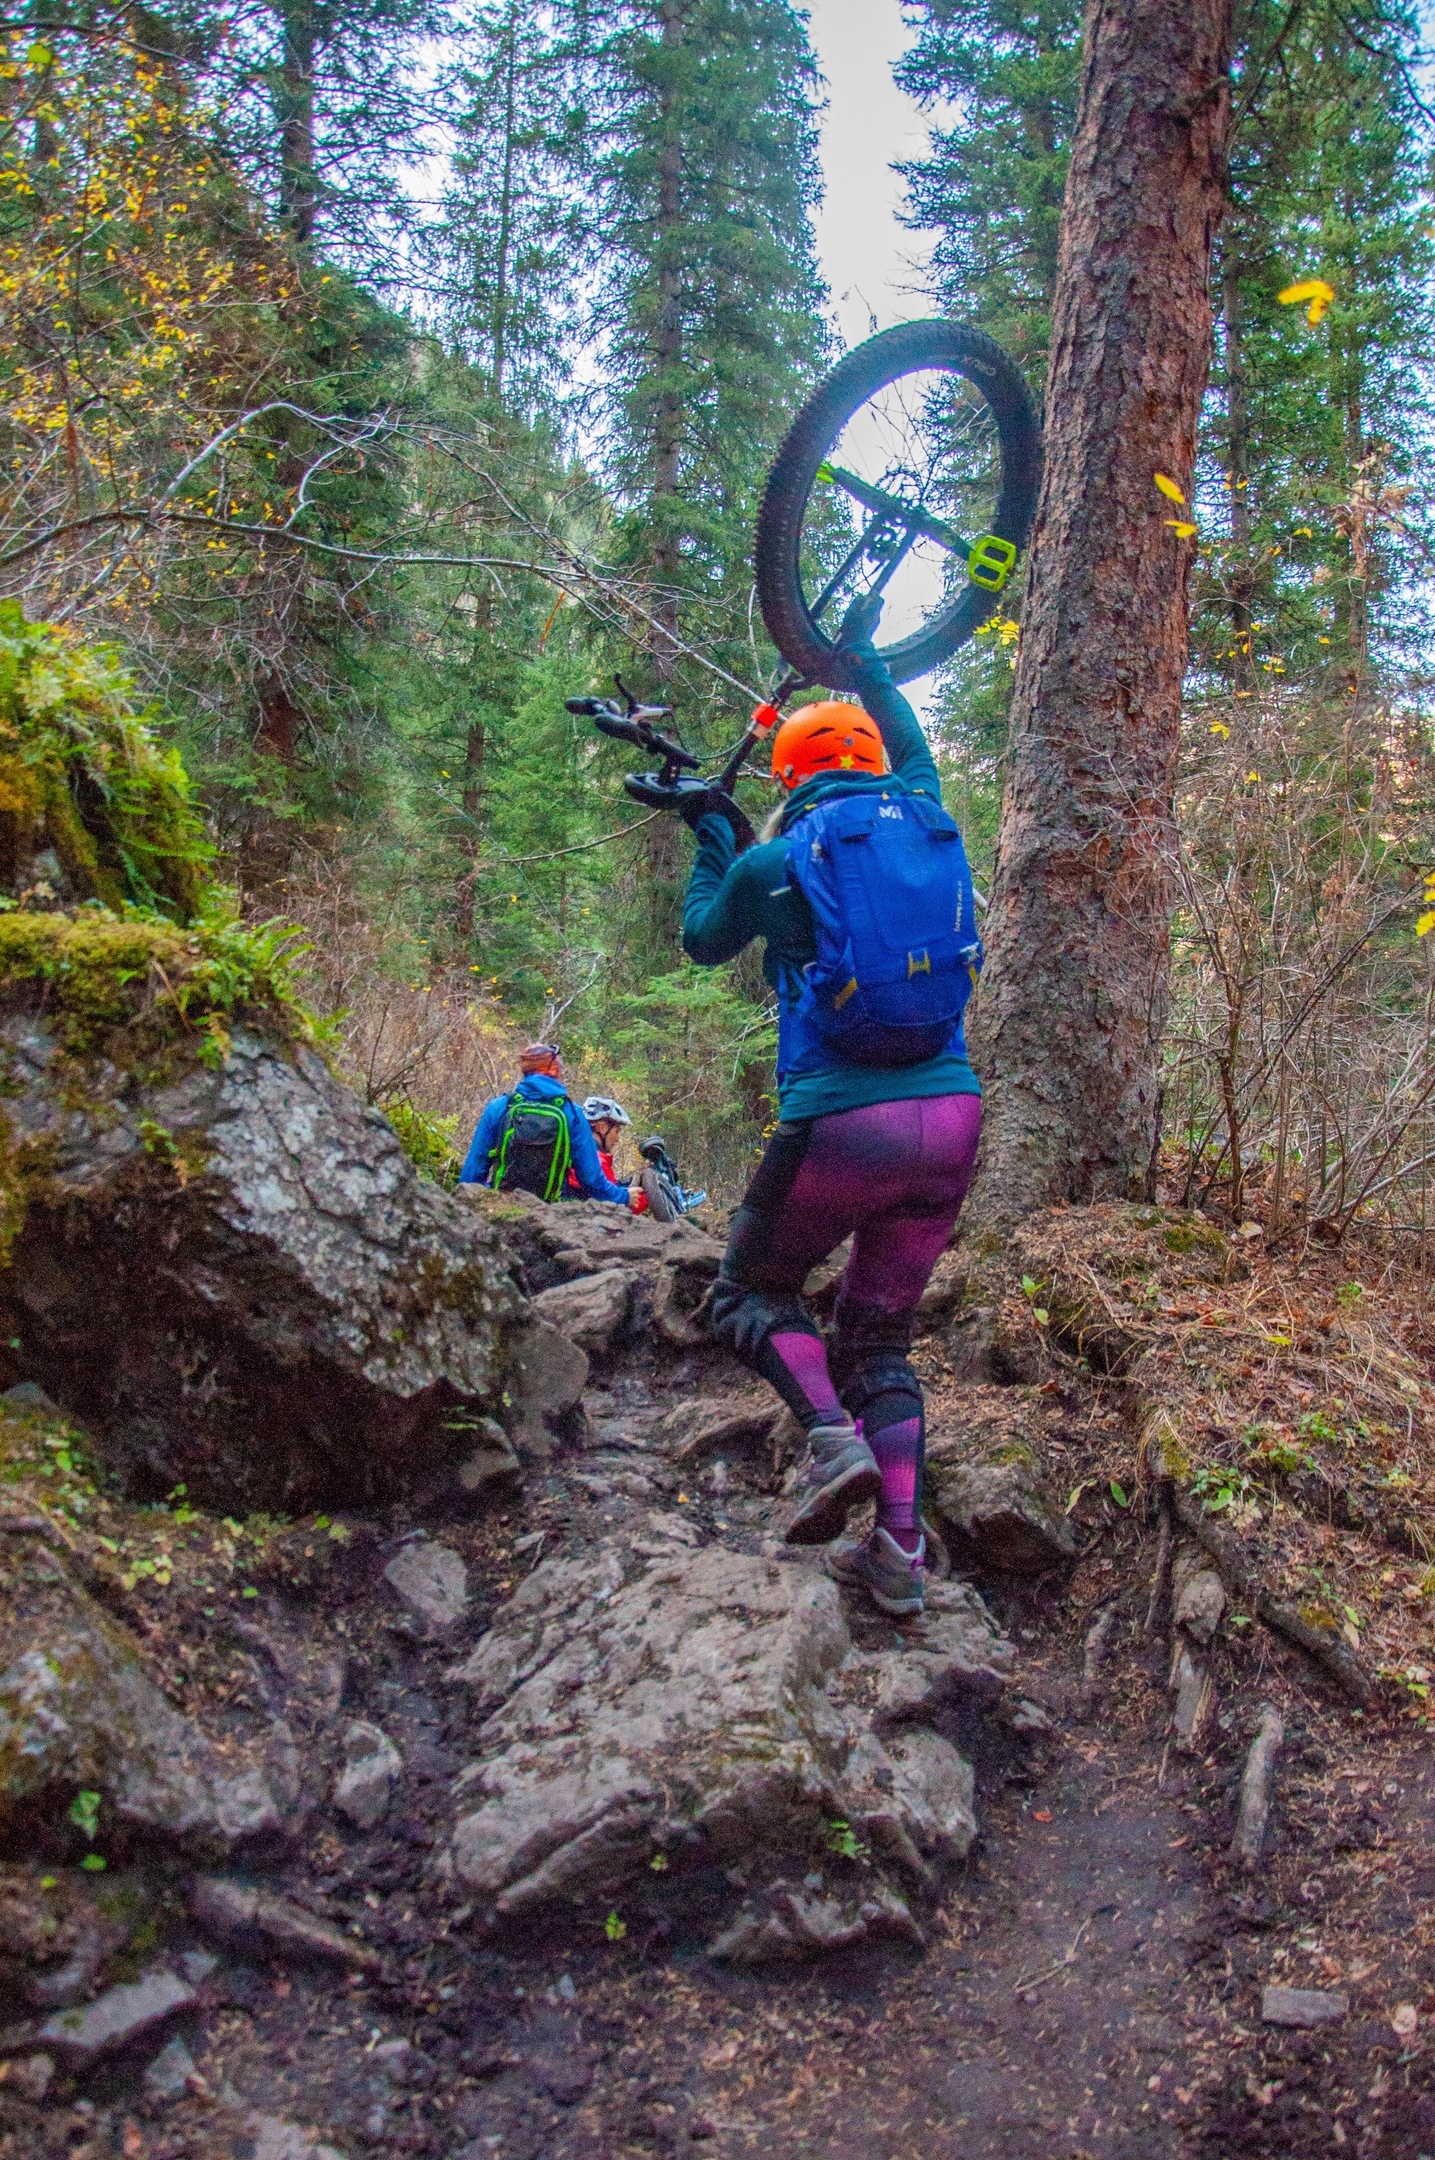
[(585, 708)]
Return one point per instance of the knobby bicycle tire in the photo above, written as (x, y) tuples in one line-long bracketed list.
[(875, 364)]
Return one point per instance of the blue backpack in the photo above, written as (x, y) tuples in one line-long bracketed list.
[(886, 877)]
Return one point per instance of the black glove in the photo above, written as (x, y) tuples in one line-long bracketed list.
[(693, 800), (860, 622), (854, 658)]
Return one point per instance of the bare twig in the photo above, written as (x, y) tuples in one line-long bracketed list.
[(1024, 1987)]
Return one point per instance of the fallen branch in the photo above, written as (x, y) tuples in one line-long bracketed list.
[(1255, 1805), (1024, 1987), (1323, 1646)]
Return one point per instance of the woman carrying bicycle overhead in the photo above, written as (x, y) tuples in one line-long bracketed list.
[(863, 896)]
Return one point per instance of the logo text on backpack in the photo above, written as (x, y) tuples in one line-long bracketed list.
[(891, 810)]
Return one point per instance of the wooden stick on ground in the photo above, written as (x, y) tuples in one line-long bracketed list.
[(1098, 1643), (1323, 1646), (1255, 1805)]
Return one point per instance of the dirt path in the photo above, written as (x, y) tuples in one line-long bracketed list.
[(1091, 1987)]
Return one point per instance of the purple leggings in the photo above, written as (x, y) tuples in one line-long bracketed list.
[(892, 1177)]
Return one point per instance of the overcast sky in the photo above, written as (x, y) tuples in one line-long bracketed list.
[(870, 260)]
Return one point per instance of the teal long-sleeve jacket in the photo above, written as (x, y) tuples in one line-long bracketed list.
[(733, 898)]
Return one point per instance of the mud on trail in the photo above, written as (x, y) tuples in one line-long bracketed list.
[(1089, 1977)]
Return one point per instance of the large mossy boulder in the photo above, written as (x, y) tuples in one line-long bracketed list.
[(218, 1259)]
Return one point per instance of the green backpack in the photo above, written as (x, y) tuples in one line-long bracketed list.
[(534, 1148)]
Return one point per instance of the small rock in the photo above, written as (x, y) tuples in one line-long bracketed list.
[(492, 1460), (999, 1514), (30, 2076), (398, 2059), (1303, 2006), (591, 1310), (67, 1983), (1025, 1716), (1405, 2021), (257, 1920), (1198, 1595), (197, 1965), (798, 1925), (706, 1426), (275, 2139), (78, 1709), (28, 1395), (566, 1988), (169, 2074), (431, 1581), (372, 1767), (117, 2017)]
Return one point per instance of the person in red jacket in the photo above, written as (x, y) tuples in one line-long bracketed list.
[(607, 1119)]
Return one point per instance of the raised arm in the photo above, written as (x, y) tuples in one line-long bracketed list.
[(907, 747)]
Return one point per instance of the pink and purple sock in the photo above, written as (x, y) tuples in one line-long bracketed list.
[(795, 1363), (898, 1449)]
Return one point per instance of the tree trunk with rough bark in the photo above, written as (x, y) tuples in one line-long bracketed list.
[(298, 184), (662, 853), (1067, 1030)]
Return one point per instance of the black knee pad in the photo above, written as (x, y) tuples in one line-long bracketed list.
[(742, 1317), (882, 1390), (868, 1331)]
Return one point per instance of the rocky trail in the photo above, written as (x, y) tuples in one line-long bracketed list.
[(555, 1808)]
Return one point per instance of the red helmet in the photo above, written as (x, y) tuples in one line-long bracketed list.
[(829, 737)]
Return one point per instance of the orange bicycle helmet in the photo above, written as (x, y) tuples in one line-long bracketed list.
[(828, 737)]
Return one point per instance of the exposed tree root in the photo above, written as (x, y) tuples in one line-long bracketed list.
[(1324, 1647)]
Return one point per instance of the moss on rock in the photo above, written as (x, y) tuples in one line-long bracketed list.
[(86, 782), (135, 991)]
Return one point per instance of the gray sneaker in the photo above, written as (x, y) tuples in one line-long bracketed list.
[(839, 1474), (877, 1564)]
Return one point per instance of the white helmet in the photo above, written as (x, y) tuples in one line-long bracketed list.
[(601, 1109)]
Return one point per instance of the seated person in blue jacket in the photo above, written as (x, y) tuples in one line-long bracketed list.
[(879, 1107), (530, 1139)]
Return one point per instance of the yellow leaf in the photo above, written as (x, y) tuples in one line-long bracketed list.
[(1253, 776), (1426, 923), (1218, 727), (1180, 528), (1169, 488), (1313, 289)]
